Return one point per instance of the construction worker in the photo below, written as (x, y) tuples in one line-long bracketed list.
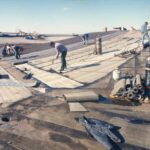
[(4, 51), (60, 49), (16, 50), (7, 50), (85, 38), (144, 32)]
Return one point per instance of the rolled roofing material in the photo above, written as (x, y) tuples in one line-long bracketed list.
[(20, 62), (81, 96), (119, 85)]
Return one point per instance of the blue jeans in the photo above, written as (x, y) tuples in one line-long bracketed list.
[(16, 53)]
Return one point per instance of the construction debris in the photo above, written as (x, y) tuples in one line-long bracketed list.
[(126, 54), (103, 132), (35, 36), (117, 28)]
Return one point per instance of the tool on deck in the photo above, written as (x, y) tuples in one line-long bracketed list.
[(51, 70)]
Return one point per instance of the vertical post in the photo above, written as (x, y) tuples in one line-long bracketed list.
[(98, 45), (135, 59)]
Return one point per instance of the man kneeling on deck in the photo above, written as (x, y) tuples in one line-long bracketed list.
[(60, 48)]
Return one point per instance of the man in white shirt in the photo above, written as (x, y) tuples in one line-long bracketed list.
[(60, 49), (144, 32)]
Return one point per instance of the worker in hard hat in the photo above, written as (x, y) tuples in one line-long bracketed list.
[(144, 32)]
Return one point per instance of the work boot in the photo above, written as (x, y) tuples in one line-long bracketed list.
[(61, 70)]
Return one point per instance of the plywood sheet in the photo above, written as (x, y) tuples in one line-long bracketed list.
[(76, 107)]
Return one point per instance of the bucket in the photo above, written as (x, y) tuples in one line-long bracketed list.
[(116, 74)]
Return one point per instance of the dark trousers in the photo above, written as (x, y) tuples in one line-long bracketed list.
[(17, 54), (4, 52), (63, 60)]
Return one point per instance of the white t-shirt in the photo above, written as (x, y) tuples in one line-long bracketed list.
[(60, 47)]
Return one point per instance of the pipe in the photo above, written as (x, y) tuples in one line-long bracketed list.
[(130, 95), (128, 83), (142, 91), (138, 97), (119, 88), (133, 81), (138, 81), (135, 90)]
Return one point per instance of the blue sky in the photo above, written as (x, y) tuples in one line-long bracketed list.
[(71, 16)]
